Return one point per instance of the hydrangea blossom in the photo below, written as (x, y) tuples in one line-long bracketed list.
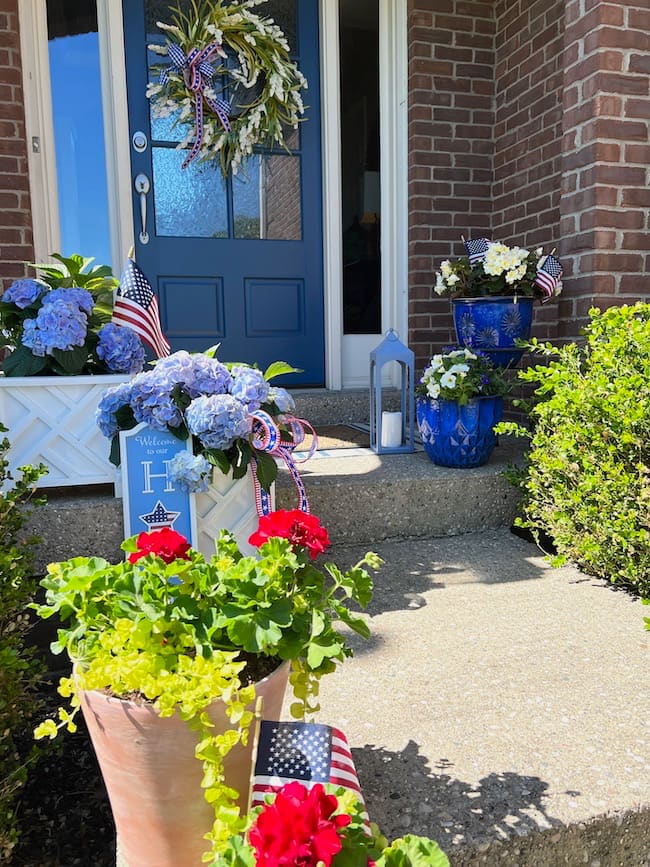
[(120, 348), (218, 420), (197, 374), (282, 399), (22, 293), (111, 401), (249, 386), (58, 325), (74, 297), (152, 403), (190, 473)]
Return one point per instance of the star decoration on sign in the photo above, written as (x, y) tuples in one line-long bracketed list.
[(159, 518)]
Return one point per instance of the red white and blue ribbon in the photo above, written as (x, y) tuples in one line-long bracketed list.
[(268, 438), (198, 73)]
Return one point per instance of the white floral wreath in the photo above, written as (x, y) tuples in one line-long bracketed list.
[(220, 54)]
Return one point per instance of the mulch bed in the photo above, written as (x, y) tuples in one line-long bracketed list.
[(64, 813)]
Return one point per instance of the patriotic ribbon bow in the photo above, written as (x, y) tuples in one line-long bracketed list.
[(198, 73), (267, 438)]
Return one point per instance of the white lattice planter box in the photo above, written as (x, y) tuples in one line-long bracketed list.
[(227, 504), (51, 419)]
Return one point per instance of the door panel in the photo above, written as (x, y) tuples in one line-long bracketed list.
[(235, 261)]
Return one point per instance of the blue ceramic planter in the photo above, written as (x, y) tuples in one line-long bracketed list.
[(492, 325), (455, 435)]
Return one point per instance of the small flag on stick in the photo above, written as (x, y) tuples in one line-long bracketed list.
[(549, 274), (476, 250), (308, 752), (136, 307)]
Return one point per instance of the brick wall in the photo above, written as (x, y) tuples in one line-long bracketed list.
[(451, 122), (16, 244), (606, 194), (528, 131)]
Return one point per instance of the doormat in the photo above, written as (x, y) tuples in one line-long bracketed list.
[(337, 436)]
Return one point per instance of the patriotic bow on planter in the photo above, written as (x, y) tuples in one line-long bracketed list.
[(198, 73)]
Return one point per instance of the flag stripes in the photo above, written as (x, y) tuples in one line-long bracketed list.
[(136, 307)]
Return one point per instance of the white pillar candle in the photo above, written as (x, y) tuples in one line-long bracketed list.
[(391, 430)]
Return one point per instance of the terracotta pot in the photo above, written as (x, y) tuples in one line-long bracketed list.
[(154, 780)]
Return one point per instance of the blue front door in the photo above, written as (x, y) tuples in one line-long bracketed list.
[(235, 261)]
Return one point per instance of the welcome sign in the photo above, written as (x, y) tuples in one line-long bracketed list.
[(150, 500)]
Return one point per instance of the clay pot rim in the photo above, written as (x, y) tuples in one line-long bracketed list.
[(146, 703)]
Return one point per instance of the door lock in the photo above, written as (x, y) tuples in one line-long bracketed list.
[(139, 141)]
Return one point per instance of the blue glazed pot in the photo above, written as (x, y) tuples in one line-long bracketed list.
[(492, 325), (455, 435)]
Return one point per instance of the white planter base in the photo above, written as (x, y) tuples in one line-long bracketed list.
[(51, 419)]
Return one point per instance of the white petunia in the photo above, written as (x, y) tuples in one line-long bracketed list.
[(462, 369), (448, 380), (433, 389)]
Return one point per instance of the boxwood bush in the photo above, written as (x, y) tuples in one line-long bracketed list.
[(19, 672), (587, 478)]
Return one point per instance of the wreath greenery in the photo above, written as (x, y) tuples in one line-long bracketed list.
[(230, 79)]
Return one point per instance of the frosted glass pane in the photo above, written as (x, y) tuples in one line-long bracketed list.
[(266, 199), (191, 202)]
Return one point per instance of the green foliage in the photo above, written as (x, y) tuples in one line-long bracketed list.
[(172, 632), (587, 479), (18, 671), (462, 375)]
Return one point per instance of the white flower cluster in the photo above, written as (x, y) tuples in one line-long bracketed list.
[(438, 375), (509, 261)]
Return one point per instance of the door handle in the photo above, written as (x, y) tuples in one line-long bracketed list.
[(142, 186)]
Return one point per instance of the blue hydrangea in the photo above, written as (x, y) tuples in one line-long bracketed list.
[(209, 376), (189, 473), (197, 374), (111, 400), (152, 402), (75, 297), (282, 399), (218, 420), (120, 348), (22, 293), (249, 387), (58, 325)]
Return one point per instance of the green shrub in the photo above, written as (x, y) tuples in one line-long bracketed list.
[(19, 672), (587, 479)]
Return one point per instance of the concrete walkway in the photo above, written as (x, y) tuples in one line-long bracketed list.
[(501, 706)]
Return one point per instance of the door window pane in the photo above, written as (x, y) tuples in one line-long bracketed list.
[(191, 202), (359, 51), (78, 129), (266, 199)]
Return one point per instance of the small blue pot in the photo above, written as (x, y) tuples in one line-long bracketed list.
[(492, 325), (455, 435)]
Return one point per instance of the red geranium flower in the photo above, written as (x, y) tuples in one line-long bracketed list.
[(166, 544), (301, 529), (298, 828)]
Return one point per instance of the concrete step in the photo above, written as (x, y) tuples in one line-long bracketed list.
[(359, 496)]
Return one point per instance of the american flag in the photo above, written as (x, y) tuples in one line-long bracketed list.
[(549, 274), (308, 752), (476, 249), (136, 307)]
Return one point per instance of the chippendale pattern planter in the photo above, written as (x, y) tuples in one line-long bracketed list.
[(51, 419), (228, 503), (492, 325), (455, 435)]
